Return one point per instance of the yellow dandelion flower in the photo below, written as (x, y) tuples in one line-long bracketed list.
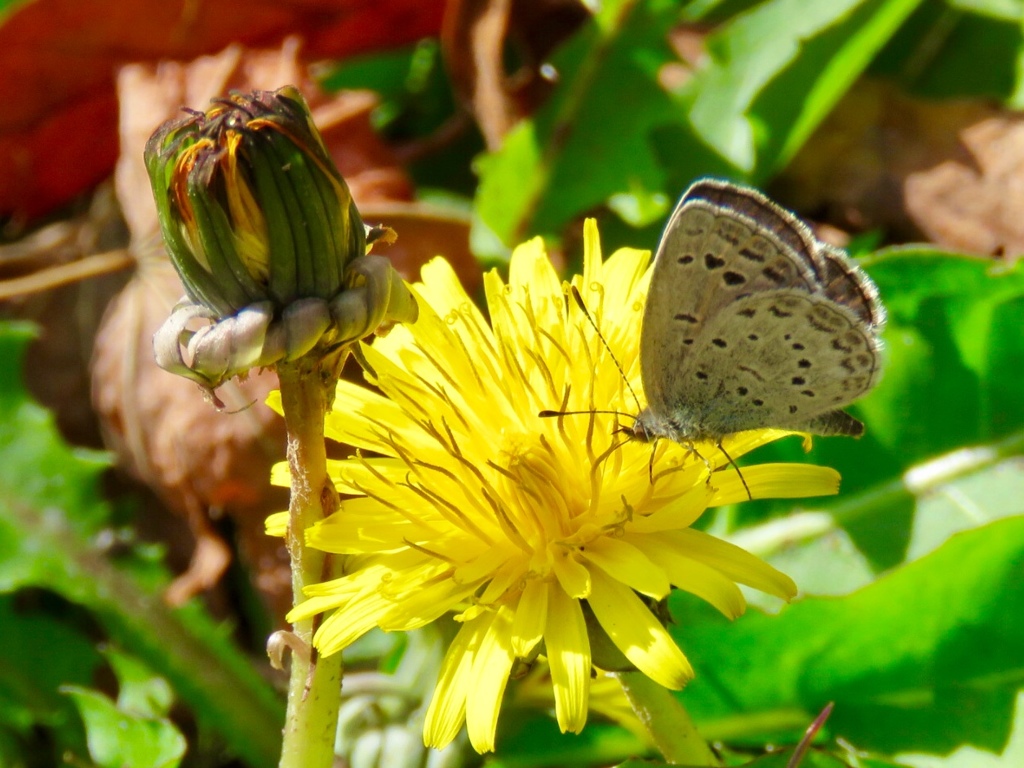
[(465, 500)]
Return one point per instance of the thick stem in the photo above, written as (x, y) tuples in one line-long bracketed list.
[(314, 689), (668, 723)]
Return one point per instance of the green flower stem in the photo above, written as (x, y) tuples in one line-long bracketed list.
[(314, 690), (667, 722)]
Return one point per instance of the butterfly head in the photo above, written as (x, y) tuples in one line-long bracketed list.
[(651, 425)]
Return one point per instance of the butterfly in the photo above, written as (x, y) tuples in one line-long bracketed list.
[(751, 322)]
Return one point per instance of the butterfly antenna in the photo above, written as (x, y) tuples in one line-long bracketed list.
[(735, 466), (583, 307), (548, 413)]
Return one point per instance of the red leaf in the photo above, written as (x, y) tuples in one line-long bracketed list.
[(59, 58)]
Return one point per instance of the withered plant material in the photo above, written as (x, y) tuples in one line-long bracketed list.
[(948, 172), (476, 36), (58, 128)]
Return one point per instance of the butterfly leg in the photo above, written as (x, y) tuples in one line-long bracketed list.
[(735, 466)]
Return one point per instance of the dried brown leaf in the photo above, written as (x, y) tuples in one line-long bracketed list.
[(58, 128), (949, 172)]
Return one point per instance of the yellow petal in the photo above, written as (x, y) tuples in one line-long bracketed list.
[(418, 607), (491, 667), (358, 417), (273, 401), (592, 260), (446, 293), (531, 274), (447, 709), (740, 443), (572, 576), (568, 652), (627, 564), (355, 474), (625, 277), (495, 564), (694, 576), (281, 475), (735, 562), (531, 617), (636, 632), (311, 607), (277, 524), (365, 525), (774, 481), (342, 628), (680, 513)]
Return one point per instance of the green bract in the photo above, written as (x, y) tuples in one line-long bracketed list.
[(265, 236), (251, 205)]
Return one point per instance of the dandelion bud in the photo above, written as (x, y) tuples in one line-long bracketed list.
[(263, 231)]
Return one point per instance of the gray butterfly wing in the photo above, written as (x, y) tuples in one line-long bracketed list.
[(845, 283), (784, 358), (838, 277), (714, 250), (751, 322)]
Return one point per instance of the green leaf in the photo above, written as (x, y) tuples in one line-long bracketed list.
[(1007, 10), (936, 53), (593, 138), (528, 739), (813, 758), (140, 692), (925, 659), (41, 648), (777, 71), (39, 477), (50, 520), (950, 377), (118, 738)]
